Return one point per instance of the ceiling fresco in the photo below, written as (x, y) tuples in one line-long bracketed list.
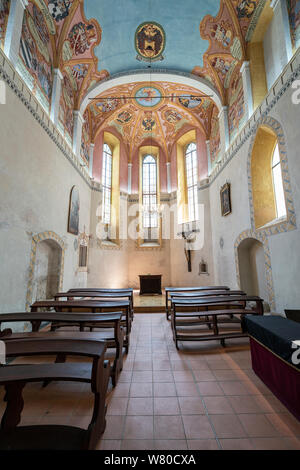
[(89, 41), (145, 111)]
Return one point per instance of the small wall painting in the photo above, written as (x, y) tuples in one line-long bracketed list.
[(73, 222), (225, 200)]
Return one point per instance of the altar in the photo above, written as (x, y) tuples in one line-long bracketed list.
[(150, 284)]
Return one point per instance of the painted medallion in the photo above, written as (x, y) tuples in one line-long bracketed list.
[(148, 96), (150, 42)]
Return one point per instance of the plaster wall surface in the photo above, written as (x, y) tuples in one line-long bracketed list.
[(35, 180)]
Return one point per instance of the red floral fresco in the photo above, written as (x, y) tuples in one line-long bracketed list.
[(4, 12), (86, 138), (215, 139), (294, 16), (36, 53), (66, 108), (236, 105)]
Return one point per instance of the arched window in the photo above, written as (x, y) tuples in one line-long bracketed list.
[(106, 184), (266, 177), (149, 192), (278, 184), (191, 169)]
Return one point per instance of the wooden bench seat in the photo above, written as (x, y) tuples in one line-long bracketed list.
[(212, 311), (95, 295), (169, 290), (112, 332), (14, 378), (90, 306)]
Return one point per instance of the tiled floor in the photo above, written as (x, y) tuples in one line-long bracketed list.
[(204, 398)]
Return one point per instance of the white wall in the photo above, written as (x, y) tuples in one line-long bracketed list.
[(35, 181)]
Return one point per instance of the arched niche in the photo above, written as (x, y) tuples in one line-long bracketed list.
[(46, 267), (253, 265)]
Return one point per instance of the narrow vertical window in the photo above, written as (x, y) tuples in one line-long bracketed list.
[(278, 184), (106, 184), (191, 180), (149, 190)]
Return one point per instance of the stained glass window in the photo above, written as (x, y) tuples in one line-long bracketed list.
[(150, 216), (278, 184)]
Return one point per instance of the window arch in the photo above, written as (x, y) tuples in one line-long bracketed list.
[(149, 192), (191, 174), (106, 184), (267, 184)]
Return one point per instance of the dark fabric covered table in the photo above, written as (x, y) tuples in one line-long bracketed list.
[(271, 340)]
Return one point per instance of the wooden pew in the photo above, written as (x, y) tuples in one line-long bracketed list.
[(113, 333), (95, 295), (168, 291), (189, 308), (15, 377), (90, 306), (128, 292)]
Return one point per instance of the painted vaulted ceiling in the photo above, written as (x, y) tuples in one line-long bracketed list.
[(93, 40)]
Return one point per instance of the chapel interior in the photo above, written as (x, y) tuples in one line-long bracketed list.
[(149, 225)]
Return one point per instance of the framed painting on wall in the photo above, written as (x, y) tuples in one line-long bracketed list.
[(73, 220), (225, 199)]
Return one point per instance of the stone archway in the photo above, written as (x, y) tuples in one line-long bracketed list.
[(250, 237), (46, 267)]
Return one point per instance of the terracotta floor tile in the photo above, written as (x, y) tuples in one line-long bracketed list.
[(140, 406), (114, 427), (245, 404), (234, 388), (142, 365), (191, 406), (125, 376), (218, 405), (183, 376), (188, 389), (117, 406), (230, 374), (257, 425), (236, 444), (174, 444), (138, 444), (164, 389), (163, 376), (285, 424), (276, 443), (168, 427), (121, 390), (105, 444), (204, 376), (197, 427), (166, 406), (141, 389), (227, 426), (142, 376), (202, 444), (161, 365), (138, 427), (209, 388)]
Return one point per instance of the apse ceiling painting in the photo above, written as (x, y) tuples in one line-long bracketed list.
[(150, 111)]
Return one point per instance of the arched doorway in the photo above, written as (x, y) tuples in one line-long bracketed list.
[(47, 270), (251, 260)]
